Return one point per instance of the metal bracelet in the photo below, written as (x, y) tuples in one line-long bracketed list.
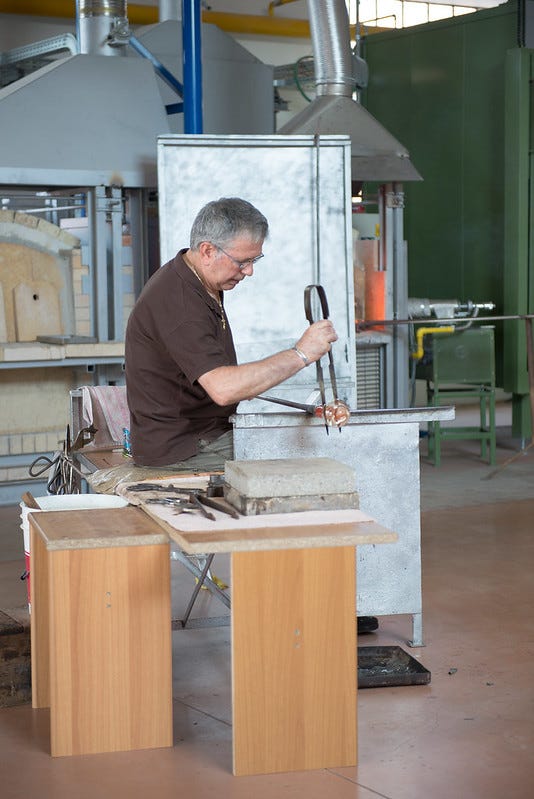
[(302, 355)]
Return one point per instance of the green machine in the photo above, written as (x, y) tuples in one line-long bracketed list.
[(461, 365), (459, 94)]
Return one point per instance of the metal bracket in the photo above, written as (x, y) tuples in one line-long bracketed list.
[(395, 199), (108, 205), (119, 33)]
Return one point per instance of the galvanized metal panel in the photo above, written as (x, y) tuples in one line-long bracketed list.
[(288, 178), (385, 458)]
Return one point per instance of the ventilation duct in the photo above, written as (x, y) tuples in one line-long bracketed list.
[(102, 26), (376, 154), (170, 9)]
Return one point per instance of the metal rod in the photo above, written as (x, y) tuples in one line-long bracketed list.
[(290, 404), (364, 324), (201, 578)]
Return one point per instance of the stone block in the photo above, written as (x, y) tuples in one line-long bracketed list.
[(289, 477)]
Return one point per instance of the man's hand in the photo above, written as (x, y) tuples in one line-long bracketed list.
[(317, 339)]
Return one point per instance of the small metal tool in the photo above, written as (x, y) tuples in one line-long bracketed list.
[(165, 489), (84, 437), (174, 502), (195, 500), (218, 504)]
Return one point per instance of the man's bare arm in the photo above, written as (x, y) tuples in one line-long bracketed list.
[(230, 384)]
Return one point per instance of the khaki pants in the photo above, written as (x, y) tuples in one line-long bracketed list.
[(210, 457)]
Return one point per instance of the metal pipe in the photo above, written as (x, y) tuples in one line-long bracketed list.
[(95, 21), (192, 67), (169, 9), (367, 323), (330, 32), (422, 332)]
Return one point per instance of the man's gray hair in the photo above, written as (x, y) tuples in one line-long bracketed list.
[(221, 221)]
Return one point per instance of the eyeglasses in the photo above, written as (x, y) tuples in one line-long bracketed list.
[(241, 264)]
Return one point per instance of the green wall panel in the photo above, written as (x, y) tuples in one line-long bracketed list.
[(440, 88)]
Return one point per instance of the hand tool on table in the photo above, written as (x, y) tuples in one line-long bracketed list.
[(167, 489), (218, 504), (180, 505), (193, 498)]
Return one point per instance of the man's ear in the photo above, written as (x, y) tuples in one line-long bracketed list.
[(207, 250)]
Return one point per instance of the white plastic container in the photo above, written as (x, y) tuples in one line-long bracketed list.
[(62, 502)]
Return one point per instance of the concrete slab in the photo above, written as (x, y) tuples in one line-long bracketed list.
[(256, 506), (289, 477)]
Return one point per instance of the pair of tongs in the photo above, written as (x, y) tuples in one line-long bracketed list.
[(309, 316)]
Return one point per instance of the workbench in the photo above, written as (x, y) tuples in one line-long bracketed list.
[(294, 669)]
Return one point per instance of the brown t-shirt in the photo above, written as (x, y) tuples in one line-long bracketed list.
[(174, 335)]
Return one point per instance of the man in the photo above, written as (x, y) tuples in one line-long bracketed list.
[(182, 377)]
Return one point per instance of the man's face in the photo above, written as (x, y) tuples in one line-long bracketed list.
[(231, 265)]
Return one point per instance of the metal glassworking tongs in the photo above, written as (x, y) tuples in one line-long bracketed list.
[(336, 412), (309, 316)]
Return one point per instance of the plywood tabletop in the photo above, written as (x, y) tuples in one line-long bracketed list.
[(329, 528), (98, 527)]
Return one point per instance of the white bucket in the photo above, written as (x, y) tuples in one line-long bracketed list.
[(62, 502)]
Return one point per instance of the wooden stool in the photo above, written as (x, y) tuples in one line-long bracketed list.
[(101, 646)]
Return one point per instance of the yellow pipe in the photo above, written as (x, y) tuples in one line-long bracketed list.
[(423, 331), (147, 15), (58, 8), (258, 25), (139, 14)]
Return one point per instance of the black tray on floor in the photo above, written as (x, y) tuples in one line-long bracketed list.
[(381, 666)]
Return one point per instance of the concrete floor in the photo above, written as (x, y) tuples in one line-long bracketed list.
[(468, 734)]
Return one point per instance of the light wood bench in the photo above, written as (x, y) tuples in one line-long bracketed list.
[(294, 627), (101, 646)]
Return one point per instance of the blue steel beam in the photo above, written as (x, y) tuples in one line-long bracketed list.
[(192, 73)]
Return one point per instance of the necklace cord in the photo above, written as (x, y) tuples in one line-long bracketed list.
[(217, 298)]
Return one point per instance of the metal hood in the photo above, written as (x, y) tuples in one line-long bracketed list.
[(376, 154), (83, 121)]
